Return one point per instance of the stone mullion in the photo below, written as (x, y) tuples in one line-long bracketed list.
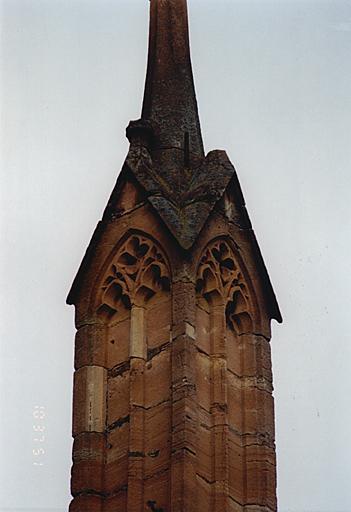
[(136, 410), (219, 406), (184, 405)]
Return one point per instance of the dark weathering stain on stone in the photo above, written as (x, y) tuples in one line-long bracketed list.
[(153, 506), (166, 157)]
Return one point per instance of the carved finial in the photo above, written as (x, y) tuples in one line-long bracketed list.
[(169, 98)]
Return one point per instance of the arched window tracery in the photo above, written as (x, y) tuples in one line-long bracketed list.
[(138, 271), (220, 280), (134, 309)]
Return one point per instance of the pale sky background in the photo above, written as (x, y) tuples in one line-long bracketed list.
[(273, 81)]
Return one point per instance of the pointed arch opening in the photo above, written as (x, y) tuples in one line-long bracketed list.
[(223, 279), (226, 318), (131, 301)]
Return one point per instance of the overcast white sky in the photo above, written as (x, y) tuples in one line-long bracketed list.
[(273, 83)]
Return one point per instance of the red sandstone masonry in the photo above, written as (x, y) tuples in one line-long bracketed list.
[(179, 418), (173, 408)]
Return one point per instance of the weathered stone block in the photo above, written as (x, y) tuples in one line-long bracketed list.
[(184, 304), (203, 381), (89, 399), (87, 476), (234, 350), (118, 343), (158, 378), (89, 446), (234, 506), (259, 411), (136, 433), (183, 363), (260, 484), (203, 327), (220, 458), (204, 494), (117, 398), (261, 453), (235, 402), (117, 503), (90, 346), (184, 494), (204, 452), (87, 503), (159, 322), (137, 347), (184, 425), (157, 492), (135, 482), (116, 470), (137, 382), (218, 331), (256, 357), (118, 441), (236, 458), (264, 355), (157, 439), (219, 381), (130, 195)]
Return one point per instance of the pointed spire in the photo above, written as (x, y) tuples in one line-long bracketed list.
[(169, 98)]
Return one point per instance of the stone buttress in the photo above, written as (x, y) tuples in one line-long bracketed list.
[(173, 408)]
